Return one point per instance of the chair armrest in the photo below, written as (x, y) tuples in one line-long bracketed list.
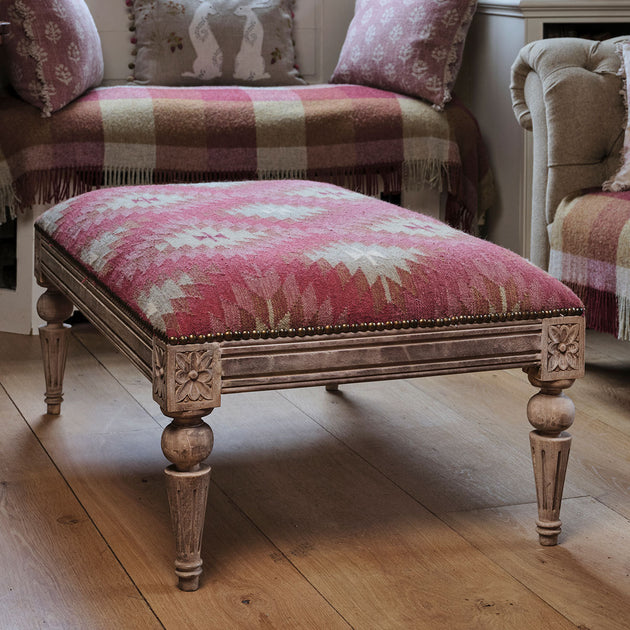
[(568, 93)]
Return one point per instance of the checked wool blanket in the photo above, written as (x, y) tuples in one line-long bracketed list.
[(590, 252), (362, 138)]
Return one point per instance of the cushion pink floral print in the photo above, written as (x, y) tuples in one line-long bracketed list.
[(409, 46), (54, 51), (621, 179)]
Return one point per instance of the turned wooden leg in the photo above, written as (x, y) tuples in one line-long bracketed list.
[(550, 412), (186, 442), (54, 308)]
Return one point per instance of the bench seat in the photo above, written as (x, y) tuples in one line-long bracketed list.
[(220, 288)]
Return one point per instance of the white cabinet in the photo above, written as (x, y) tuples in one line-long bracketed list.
[(499, 30)]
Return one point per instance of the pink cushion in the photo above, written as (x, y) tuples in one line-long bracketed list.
[(413, 47), (279, 256), (53, 50)]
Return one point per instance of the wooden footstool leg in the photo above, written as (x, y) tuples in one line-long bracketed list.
[(186, 442), (54, 308), (550, 412)]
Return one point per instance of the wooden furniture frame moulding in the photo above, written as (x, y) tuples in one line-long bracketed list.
[(189, 376)]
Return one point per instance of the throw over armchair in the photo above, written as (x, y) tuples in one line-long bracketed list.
[(569, 94)]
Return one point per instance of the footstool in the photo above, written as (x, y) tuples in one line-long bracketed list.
[(213, 289)]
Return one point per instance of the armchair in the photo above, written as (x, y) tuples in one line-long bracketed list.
[(569, 94)]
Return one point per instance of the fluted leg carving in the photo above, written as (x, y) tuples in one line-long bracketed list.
[(54, 308), (186, 442), (550, 412)]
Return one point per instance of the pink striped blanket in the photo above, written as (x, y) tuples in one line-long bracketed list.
[(363, 138), (590, 252)]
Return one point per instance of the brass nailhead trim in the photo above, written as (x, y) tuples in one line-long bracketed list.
[(405, 324)]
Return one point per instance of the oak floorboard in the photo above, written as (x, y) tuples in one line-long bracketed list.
[(586, 578), (605, 393), (437, 444), (117, 476), (120, 368), (599, 465), (247, 582), (373, 551), (427, 437), (93, 406), (57, 570)]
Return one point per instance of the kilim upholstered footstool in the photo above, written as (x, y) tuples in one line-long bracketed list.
[(218, 288)]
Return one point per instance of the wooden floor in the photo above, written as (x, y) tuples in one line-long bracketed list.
[(400, 505)]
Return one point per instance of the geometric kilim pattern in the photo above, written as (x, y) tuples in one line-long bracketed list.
[(245, 258)]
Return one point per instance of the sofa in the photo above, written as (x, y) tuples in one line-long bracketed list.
[(162, 125), (570, 94)]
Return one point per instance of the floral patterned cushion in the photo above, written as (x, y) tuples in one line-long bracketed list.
[(53, 50), (621, 179), (409, 46), (248, 259), (217, 42)]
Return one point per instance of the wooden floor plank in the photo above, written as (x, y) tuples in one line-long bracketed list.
[(86, 391), (426, 436), (57, 571), (586, 578), (605, 393), (246, 579), (365, 544), (120, 368), (117, 476)]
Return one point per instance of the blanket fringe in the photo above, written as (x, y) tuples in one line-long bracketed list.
[(605, 312), (54, 185), (126, 176), (432, 172)]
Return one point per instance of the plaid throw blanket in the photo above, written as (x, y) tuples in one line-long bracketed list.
[(590, 252), (362, 138)]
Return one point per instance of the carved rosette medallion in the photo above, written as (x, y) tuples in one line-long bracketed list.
[(563, 345), (193, 376), (186, 377)]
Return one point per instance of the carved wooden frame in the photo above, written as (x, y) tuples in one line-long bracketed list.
[(189, 378)]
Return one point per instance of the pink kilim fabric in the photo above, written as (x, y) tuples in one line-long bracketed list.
[(206, 259)]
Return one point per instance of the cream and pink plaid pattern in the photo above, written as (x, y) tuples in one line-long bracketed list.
[(362, 138), (590, 252)]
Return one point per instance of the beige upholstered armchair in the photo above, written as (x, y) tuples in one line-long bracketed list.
[(568, 92)]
